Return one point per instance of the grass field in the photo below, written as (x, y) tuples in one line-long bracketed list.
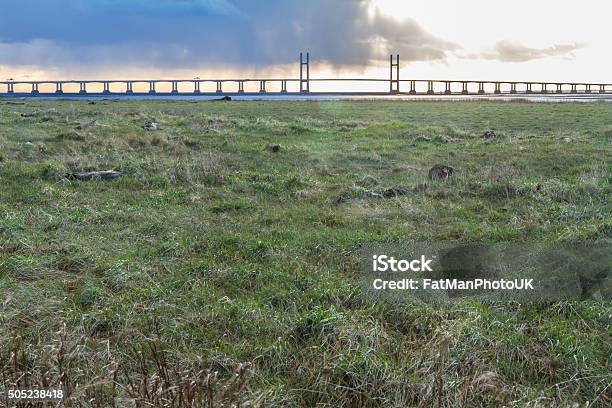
[(216, 254)]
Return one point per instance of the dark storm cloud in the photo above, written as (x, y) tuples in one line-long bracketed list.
[(508, 51), (189, 33), (341, 32)]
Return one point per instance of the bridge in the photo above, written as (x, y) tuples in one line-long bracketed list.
[(294, 86)]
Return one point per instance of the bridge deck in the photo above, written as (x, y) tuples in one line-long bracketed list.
[(350, 86)]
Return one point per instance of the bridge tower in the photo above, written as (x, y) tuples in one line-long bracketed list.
[(394, 83), (304, 82)]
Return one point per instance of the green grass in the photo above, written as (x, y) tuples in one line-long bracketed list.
[(220, 251)]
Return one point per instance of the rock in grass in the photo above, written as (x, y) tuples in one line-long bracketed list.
[(94, 175), (275, 148), (150, 126), (440, 172), (489, 134)]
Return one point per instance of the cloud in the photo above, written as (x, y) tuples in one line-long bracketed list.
[(342, 33), (407, 38), (171, 34), (508, 51)]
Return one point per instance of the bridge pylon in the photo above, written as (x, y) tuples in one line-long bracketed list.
[(394, 83), (304, 79)]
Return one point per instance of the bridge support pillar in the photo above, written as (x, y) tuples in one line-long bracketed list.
[(430, 90), (152, 87), (588, 88), (58, 88), (219, 87), (174, 87), (574, 89), (513, 88), (529, 88), (412, 88), (196, 86), (481, 88), (82, 88), (602, 89), (240, 86), (284, 86), (129, 88), (305, 79), (34, 88), (11, 88), (394, 84), (497, 88), (464, 89), (106, 90), (447, 90), (262, 86), (559, 90), (543, 89)]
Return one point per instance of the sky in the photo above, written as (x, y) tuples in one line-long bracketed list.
[(531, 40)]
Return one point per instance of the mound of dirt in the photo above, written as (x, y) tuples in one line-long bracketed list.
[(275, 148), (440, 172)]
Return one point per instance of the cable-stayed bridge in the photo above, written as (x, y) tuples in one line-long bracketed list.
[(393, 85)]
